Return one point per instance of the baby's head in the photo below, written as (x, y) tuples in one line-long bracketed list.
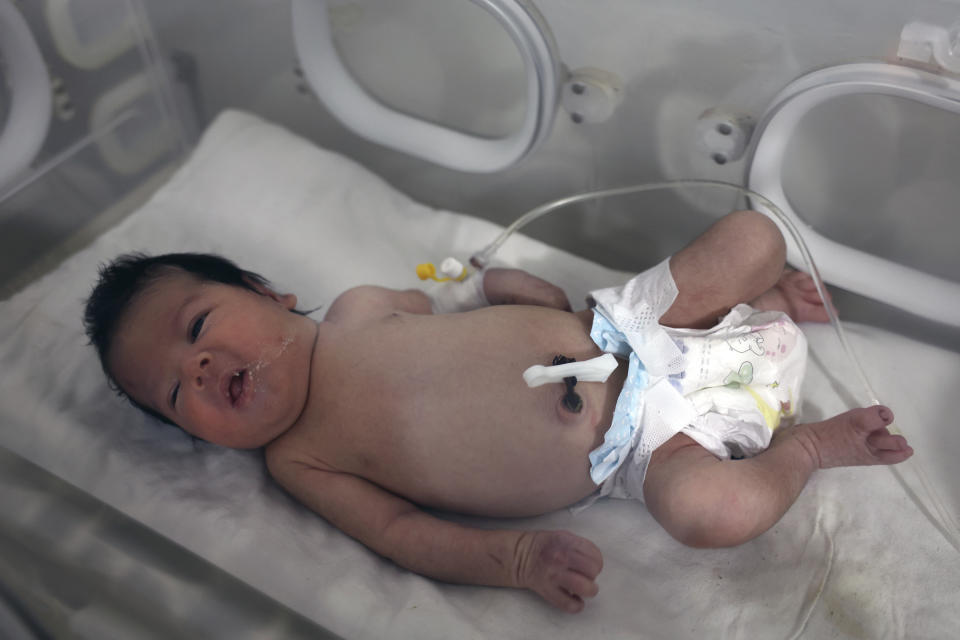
[(196, 341)]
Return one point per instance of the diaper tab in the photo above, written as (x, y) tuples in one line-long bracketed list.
[(631, 315)]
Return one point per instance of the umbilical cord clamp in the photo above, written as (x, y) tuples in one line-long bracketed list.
[(572, 401)]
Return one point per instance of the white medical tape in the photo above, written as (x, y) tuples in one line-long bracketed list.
[(594, 370), (451, 297)]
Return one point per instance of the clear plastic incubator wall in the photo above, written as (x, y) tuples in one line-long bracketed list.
[(844, 115)]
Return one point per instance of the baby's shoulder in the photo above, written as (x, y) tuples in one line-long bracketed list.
[(369, 302), (287, 455)]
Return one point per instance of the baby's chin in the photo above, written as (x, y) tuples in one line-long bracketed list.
[(253, 437), (273, 424), (261, 414), (270, 399)]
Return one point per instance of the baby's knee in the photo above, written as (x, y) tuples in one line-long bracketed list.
[(762, 246), (761, 235), (704, 518)]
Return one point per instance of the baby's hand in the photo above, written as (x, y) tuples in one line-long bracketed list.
[(560, 567), (515, 286)]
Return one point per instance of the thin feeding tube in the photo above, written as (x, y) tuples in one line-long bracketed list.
[(482, 257), (946, 524)]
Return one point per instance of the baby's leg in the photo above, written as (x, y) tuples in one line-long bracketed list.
[(738, 258), (703, 501)]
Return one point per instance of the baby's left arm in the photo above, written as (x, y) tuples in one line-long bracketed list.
[(497, 286), (500, 286), (515, 286)]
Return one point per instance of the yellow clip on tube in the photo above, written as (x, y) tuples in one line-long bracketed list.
[(449, 266)]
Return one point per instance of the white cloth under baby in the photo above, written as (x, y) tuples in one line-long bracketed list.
[(726, 387)]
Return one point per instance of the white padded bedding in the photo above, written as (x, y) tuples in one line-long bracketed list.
[(853, 558)]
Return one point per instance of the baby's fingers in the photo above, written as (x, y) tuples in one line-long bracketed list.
[(561, 567), (563, 600), (570, 591), (577, 584), (586, 558)]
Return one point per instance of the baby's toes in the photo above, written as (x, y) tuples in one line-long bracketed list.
[(889, 449), (871, 419), (857, 437), (801, 280)]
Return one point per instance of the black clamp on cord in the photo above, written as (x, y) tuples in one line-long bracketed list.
[(571, 400)]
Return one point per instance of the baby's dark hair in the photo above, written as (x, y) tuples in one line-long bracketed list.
[(129, 275)]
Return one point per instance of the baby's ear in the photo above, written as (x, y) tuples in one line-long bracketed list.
[(288, 300)]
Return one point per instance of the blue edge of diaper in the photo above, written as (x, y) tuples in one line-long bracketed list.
[(618, 440)]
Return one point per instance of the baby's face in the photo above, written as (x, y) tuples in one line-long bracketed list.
[(228, 365)]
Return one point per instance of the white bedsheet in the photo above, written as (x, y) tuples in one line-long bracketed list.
[(853, 558)]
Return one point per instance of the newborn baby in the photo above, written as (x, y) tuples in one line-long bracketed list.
[(385, 406)]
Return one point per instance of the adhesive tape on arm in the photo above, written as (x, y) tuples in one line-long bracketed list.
[(451, 297)]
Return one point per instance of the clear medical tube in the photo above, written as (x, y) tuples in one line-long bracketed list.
[(943, 521)]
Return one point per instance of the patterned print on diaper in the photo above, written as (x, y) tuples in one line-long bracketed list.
[(761, 354)]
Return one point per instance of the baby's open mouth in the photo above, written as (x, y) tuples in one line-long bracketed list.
[(237, 383)]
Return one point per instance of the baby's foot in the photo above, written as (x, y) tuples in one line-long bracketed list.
[(796, 295), (857, 437)]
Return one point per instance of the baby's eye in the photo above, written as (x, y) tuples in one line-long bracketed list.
[(196, 327), (174, 395)]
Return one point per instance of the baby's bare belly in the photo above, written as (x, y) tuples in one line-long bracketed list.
[(441, 414)]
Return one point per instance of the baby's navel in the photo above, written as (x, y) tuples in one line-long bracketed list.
[(571, 400)]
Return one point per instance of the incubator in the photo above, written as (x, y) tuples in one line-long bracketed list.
[(92, 126), (362, 133), (28, 113)]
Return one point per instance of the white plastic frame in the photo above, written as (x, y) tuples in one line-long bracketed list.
[(368, 118), (864, 273), (121, 103), (31, 101), (89, 55)]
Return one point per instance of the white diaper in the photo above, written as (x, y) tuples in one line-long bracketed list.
[(742, 377), (727, 387)]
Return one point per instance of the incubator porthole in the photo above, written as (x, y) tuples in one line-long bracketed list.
[(27, 100), (447, 136), (90, 44)]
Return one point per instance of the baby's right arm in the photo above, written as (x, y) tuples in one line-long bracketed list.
[(559, 566)]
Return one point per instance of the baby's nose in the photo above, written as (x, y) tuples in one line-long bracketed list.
[(199, 372)]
